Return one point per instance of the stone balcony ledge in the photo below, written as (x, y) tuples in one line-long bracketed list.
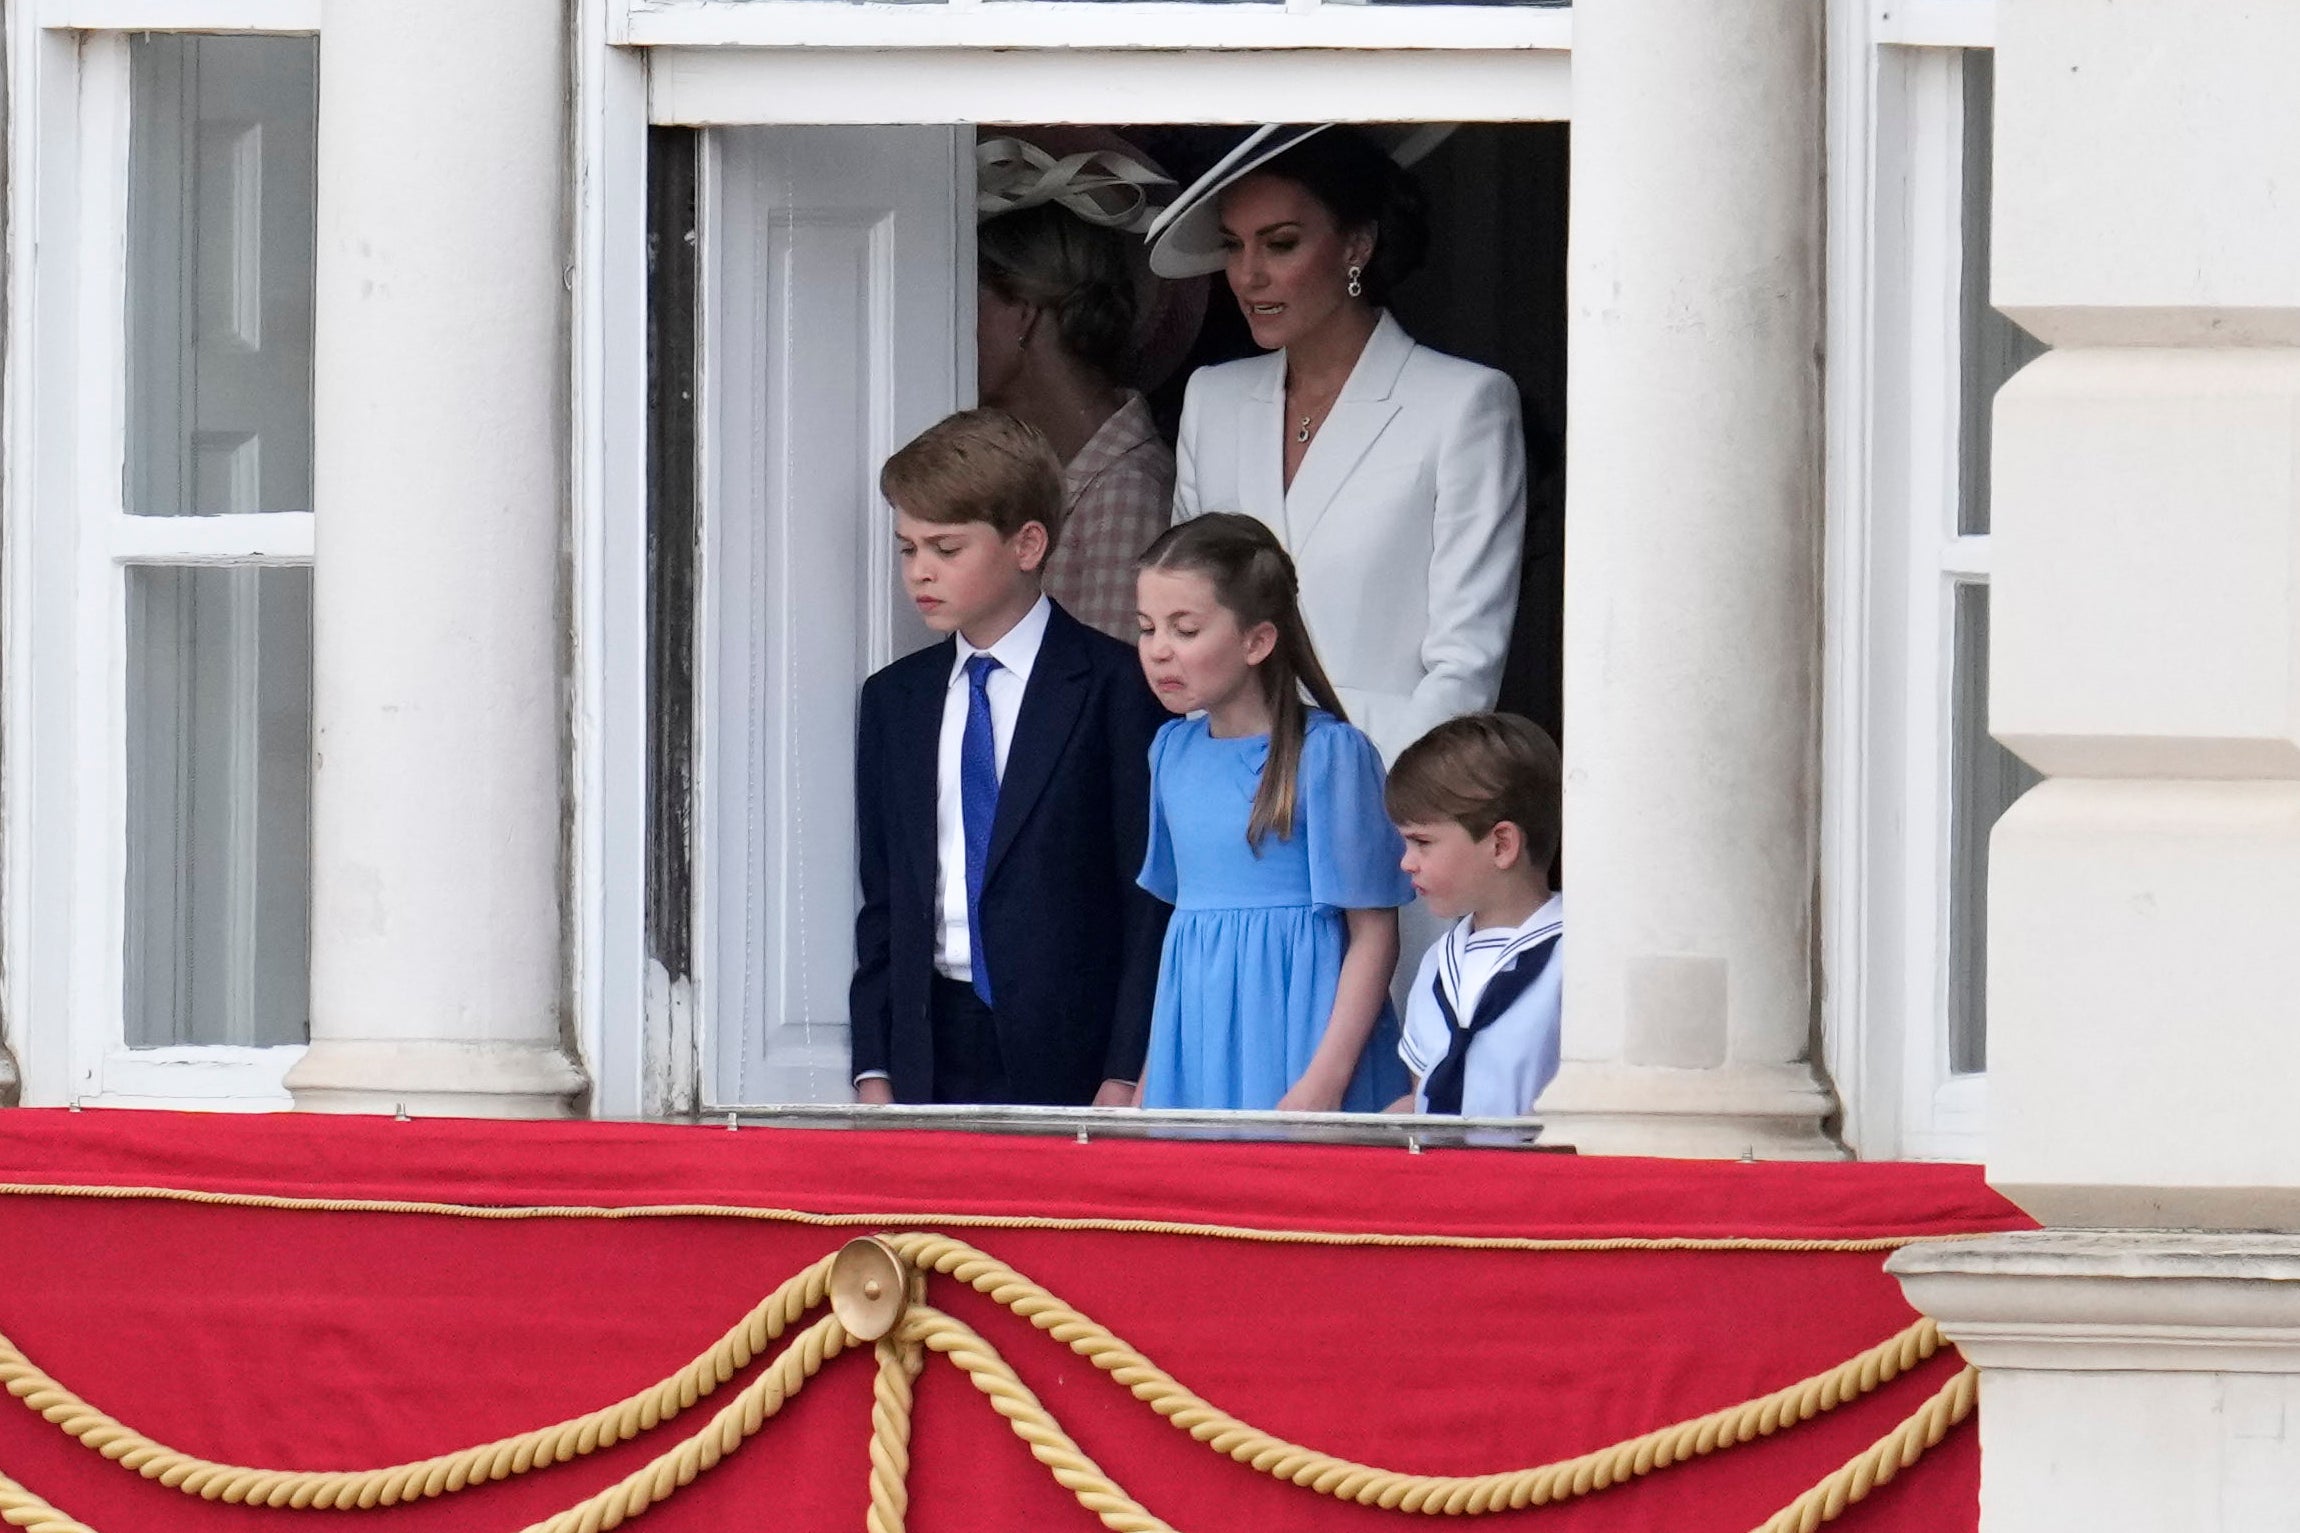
[(2125, 1300)]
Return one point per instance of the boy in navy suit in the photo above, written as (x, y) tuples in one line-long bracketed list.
[(1003, 952)]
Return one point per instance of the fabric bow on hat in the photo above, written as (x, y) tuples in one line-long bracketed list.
[(1100, 186)]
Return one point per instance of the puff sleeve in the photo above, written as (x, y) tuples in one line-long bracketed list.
[(1158, 875), (1353, 848)]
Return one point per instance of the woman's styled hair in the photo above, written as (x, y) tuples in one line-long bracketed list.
[(1077, 272), (980, 465), (1357, 182), (1478, 771), (1254, 581)]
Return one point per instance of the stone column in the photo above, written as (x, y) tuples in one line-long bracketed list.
[(2144, 972), (439, 976), (1693, 523), (11, 1084)]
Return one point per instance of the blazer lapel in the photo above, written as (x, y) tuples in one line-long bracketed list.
[(1051, 704), (1350, 428), (914, 776), (1365, 408), (1262, 447)]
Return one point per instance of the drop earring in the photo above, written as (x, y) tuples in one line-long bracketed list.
[(1357, 289)]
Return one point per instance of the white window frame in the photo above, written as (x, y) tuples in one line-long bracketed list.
[(1894, 560), (1504, 65), (1057, 25), (1941, 1114), (728, 87), (632, 1019), (69, 542), (687, 61), (710, 61), (283, 16)]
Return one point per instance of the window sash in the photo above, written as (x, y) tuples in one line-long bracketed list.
[(74, 543), (1897, 432), (1983, 780), (222, 239), (218, 876), (1941, 353)]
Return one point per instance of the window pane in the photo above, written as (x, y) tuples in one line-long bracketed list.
[(1984, 779), (219, 804), (221, 238), (1994, 348)]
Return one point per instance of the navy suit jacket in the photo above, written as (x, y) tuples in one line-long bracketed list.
[(1073, 941)]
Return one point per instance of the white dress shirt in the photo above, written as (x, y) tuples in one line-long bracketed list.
[(1016, 653)]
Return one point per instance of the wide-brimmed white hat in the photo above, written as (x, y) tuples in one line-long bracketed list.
[(1186, 238)]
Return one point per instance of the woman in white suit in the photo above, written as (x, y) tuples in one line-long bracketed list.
[(1394, 474)]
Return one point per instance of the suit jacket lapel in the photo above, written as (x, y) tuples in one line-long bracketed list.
[(1358, 417), (1262, 447), (1051, 704), (1350, 428), (914, 776)]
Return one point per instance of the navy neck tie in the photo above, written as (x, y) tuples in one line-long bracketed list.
[(1442, 1091), (978, 803)]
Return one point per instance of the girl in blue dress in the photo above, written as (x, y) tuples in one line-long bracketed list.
[(1268, 837)]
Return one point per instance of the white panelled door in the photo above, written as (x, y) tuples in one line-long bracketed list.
[(838, 303)]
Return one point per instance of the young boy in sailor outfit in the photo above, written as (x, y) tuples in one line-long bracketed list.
[(1477, 802)]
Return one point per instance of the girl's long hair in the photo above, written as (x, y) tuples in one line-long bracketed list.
[(1254, 581)]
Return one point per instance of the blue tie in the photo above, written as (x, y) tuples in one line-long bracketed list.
[(978, 805)]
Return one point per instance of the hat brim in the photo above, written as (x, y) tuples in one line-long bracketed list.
[(1186, 238)]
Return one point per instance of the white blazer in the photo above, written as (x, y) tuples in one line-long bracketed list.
[(1405, 519)]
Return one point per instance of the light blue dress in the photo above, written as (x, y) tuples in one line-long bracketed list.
[(1254, 951)]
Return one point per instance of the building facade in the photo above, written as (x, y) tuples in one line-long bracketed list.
[(440, 550), (581, 657)]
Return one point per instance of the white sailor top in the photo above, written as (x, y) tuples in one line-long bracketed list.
[(1481, 1024)]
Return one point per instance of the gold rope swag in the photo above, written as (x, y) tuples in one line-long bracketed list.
[(877, 1288), (965, 1219)]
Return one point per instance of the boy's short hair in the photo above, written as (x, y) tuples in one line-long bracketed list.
[(978, 466), (1477, 771)]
